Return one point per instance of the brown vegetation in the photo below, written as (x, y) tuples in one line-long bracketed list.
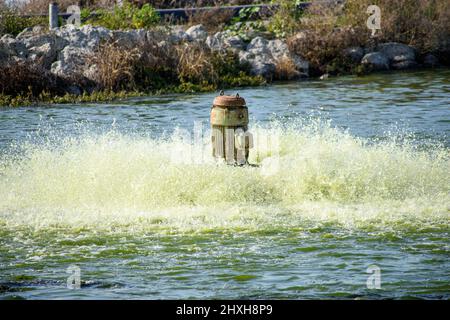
[(285, 69), (327, 30), (114, 66), (29, 79)]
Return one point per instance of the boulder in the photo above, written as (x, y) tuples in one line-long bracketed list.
[(245, 56), (258, 45), (278, 48), (402, 65), (260, 66), (400, 55), (376, 61), (31, 31), (130, 38), (217, 41), (88, 36), (234, 42), (354, 54), (197, 33), (11, 47), (95, 35), (44, 49), (71, 60), (263, 56), (224, 40), (56, 42), (178, 35)]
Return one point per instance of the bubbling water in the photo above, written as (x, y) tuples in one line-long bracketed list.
[(322, 175)]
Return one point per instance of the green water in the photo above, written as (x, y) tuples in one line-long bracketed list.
[(362, 179)]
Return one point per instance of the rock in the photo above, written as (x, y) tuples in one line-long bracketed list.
[(430, 60), (214, 43), (95, 35), (43, 49), (71, 33), (131, 38), (259, 58), (263, 56), (260, 66), (71, 60), (217, 41), (397, 51), (54, 40), (11, 47), (278, 48), (400, 55), (403, 65), (91, 72), (376, 61), (258, 45), (197, 33), (223, 40), (43, 55), (245, 56), (354, 54), (88, 37), (234, 42), (178, 35), (4, 56)]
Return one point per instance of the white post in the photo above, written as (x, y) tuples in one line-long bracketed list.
[(53, 15)]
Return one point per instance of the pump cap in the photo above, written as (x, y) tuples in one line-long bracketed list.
[(229, 101)]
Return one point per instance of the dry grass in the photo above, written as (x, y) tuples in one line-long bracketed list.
[(285, 69), (195, 64), (327, 30), (29, 79), (323, 47), (157, 64), (114, 66), (424, 24)]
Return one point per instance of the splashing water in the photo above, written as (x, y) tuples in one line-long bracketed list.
[(114, 180), (151, 215)]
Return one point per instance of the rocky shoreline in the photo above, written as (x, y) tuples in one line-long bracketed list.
[(67, 51)]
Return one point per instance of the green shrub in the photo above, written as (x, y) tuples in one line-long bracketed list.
[(241, 24), (286, 19), (127, 16), (12, 23)]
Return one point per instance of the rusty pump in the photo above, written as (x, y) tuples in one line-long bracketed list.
[(231, 140)]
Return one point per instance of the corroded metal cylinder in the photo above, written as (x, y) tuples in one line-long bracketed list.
[(230, 138)]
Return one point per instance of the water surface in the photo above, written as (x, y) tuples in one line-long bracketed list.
[(119, 191)]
